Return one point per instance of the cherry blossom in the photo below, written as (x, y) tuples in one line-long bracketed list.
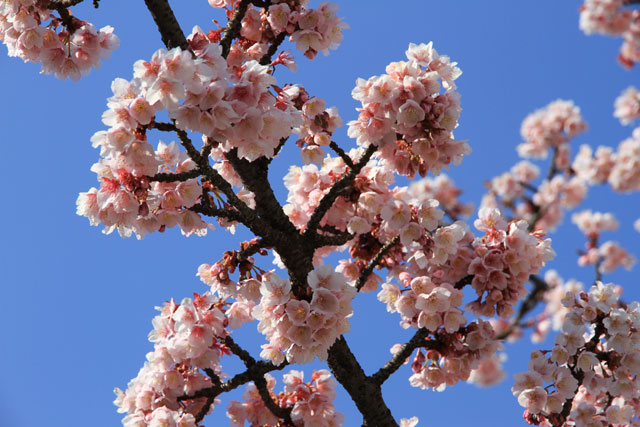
[(410, 113), (65, 46)]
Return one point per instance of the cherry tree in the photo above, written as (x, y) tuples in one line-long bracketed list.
[(189, 141)]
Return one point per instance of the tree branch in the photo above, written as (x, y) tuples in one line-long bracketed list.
[(229, 214), (366, 272), (168, 26), (328, 199), (398, 359), (173, 177), (335, 240), (55, 4), (340, 152), (248, 216), (266, 58), (466, 280), (260, 382), (366, 393), (233, 27)]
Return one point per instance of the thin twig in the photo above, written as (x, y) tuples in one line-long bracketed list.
[(418, 340), (366, 272), (260, 382), (340, 152), (327, 201), (266, 58)]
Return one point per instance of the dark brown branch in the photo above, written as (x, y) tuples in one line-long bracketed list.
[(229, 214), (173, 177), (366, 272), (168, 26), (466, 280), (251, 250), (283, 235), (255, 371), (398, 359), (260, 382), (366, 393), (277, 410), (266, 58), (55, 4), (335, 240), (327, 201), (340, 152), (254, 176), (201, 158), (233, 27)]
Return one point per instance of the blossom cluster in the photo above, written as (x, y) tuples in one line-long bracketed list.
[(425, 304), (609, 17), (489, 372), (312, 30), (591, 370), (233, 111), (311, 402), (411, 111), (592, 224), (621, 168), (453, 356), (318, 124), (301, 329), (375, 213), (627, 105), (618, 168), (185, 338), (504, 259), (606, 256), (69, 52), (552, 126)]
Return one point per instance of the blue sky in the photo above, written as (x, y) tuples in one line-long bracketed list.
[(78, 304)]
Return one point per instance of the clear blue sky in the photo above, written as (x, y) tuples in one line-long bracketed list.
[(78, 304)]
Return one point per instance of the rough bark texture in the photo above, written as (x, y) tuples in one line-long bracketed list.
[(364, 391), (170, 31)]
